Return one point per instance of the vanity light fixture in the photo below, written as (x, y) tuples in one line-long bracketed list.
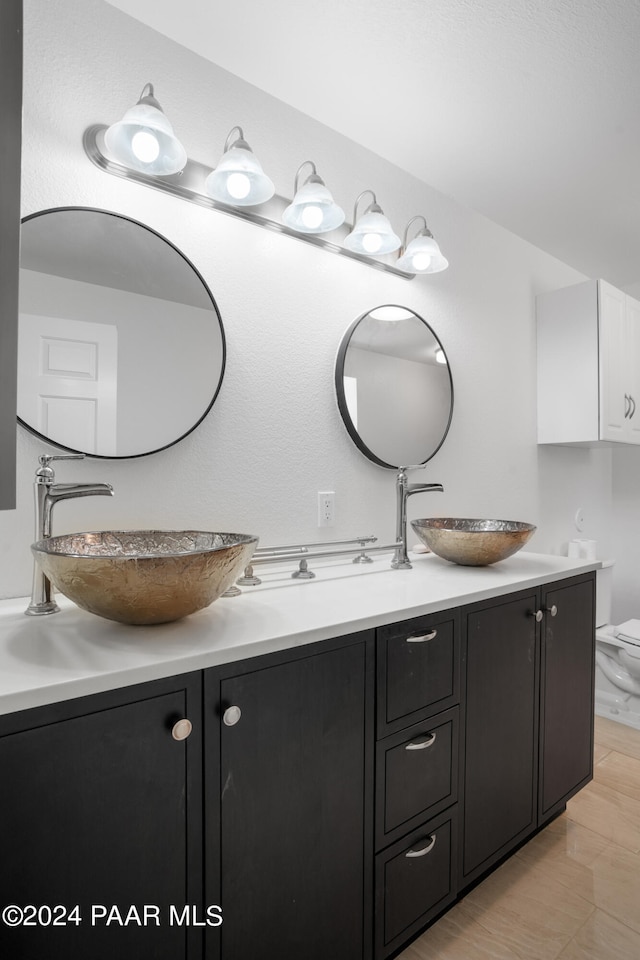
[(313, 209), (143, 148), (239, 179), (372, 234), (423, 254), (144, 139)]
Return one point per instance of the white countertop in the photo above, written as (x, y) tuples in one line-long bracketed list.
[(73, 653)]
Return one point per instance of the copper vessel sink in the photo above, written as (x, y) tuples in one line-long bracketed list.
[(144, 576), (473, 543)]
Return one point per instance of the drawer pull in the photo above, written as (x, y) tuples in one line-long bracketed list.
[(427, 741), (423, 638), (431, 842)]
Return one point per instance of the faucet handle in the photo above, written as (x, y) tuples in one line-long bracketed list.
[(45, 458), (44, 473)]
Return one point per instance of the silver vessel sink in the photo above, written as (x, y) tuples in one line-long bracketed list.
[(473, 543), (144, 576)]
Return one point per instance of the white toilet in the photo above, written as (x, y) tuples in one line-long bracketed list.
[(617, 658)]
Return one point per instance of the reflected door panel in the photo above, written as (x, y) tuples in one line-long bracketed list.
[(68, 381)]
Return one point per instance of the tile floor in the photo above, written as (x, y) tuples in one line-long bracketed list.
[(571, 893)]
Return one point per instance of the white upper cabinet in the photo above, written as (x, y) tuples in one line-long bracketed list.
[(588, 365)]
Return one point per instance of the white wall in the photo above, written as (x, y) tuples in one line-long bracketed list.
[(626, 533), (274, 437)]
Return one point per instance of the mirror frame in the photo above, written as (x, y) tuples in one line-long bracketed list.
[(342, 400), (144, 226)]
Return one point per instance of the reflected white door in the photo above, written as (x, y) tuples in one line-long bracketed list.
[(68, 381)]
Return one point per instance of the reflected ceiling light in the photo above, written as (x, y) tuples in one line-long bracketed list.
[(440, 355), (144, 139), (239, 179), (423, 254), (372, 234), (313, 209), (391, 314)]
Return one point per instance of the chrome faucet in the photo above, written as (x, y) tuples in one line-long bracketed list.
[(404, 490), (47, 493)]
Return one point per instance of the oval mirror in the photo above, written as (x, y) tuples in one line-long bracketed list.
[(121, 348), (394, 387)]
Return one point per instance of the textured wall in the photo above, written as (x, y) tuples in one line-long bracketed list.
[(274, 437)]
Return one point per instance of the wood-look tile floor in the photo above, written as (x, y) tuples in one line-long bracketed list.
[(571, 893)]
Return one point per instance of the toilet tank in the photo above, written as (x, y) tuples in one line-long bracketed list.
[(604, 591)]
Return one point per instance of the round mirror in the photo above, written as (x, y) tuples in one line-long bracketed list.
[(394, 387), (121, 348)]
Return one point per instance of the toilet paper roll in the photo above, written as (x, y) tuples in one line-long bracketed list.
[(582, 549)]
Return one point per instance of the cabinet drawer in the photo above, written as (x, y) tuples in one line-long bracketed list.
[(415, 881), (418, 669), (417, 775)]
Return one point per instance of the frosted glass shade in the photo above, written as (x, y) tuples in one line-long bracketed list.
[(144, 140), (239, 179), (313, 209), (372, 235), (422, 256)]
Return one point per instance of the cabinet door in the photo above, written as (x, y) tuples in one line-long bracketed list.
[(98, 806), (296, 844), (500, 660), (614, 390), (633, 362), (566, 740)]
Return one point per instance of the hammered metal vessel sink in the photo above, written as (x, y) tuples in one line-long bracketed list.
[(473, 543), (144, 576)]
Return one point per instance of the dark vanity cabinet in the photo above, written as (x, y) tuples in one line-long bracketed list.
[(101, 812), (330, 801), (289, 745), (528, 679)]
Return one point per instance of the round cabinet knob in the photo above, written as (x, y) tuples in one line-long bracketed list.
[(181, 729), (537, 614), (231, 716), (553, 610)]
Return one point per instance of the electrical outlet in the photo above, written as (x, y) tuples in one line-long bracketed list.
[(326, 508)]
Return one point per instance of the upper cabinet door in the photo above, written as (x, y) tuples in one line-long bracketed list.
[(633, 377), (10, 146), (588, 365), (614, 403)]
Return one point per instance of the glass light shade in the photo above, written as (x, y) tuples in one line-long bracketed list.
[(144, 140), (422, 256), (313, 209), (372, 235), (239, 179)]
